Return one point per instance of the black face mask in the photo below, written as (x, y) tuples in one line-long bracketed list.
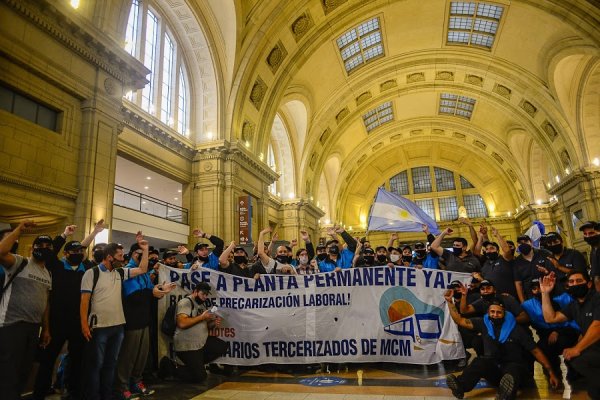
[(524, 248), (421, 253), (578, 291), (75, 259), (203, 259), (240, 259), (497, 322), (199, 301), (152, 262), (98, 256), (592, 240), (488, 297), (381, 258), (492, 256), (369, 260), (14, 248), (42, 254), (556, 248), (283, 259), (321, 257), (406, 258), (457, 251), (334, 250), (174, 264), (457, 295)]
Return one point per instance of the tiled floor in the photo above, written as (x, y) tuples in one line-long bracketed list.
[(380, 382)]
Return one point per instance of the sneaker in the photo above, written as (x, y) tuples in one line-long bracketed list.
[(454, 386), (127, 395), (140, 388), (506, 388)]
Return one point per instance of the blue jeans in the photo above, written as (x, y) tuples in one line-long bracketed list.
[(100, 362)]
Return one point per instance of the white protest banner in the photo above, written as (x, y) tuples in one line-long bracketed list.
[(356, 315)]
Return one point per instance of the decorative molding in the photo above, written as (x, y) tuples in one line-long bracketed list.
[(528, 107), (313, 161), (395, 137), (416, 132), (415, 77), (363, 97), (257, 94), (497, 157), (550, 130), (247, 131), (330, 5), (301, 25), (437, 131), (502, 91), (389, 84), (276, 57), (141, 123), (479, 144), (444, 76), (459, 135), (325, 136), (474, 80), (512, 175), (361, 159), (377, 146), (87, 41), (24, 181), (342, 114)]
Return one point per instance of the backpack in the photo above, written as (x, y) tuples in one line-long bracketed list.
[(96, 272), (3, 286), (169, 322)]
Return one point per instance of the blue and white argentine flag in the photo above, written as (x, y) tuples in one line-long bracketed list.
[(392, 212)]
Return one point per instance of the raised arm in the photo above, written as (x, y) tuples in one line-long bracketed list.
[(356, 254), (224, 257), (393, 238), (506, 253), (264, 258), (143, 267), (310, 249), (98, 227), (7, 259), (436, 245), (216, 241), (472, 232), (350, 241), (456, 317), (465, 308), (550, 315)]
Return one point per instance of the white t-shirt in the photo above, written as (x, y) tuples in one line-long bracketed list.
[(106, 308)]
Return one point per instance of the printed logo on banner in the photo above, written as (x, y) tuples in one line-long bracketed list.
[(403, 314)]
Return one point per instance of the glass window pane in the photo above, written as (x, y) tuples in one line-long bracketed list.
[(25, 108), (421, 180), (47, 118), (182, 105), (6, 99), (427, 206), (150, 61), (399, 183), (444, 179), (166, 106), (448, 208), (475, 206), (377, 116), (465, 184), (131, 35)]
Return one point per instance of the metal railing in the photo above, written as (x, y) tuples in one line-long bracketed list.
[(149, 205)]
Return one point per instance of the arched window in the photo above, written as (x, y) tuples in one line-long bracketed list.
[(166, 96), (271, 163), (439, 192)]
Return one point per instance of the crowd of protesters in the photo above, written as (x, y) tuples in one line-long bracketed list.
[(523, 304)]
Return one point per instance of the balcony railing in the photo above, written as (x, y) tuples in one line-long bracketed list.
[(149, 205)]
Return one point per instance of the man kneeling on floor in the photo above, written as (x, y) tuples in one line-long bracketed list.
[(503, 361), (193, 346)]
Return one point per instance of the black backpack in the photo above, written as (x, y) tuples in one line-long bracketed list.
[(169, 322)]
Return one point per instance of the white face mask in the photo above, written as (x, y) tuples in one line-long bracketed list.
[(303, 259), (394, 257)]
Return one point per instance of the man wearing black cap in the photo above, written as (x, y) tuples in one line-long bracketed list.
[(338, 258), (24, 306), (584, 356), (591, 235), (498, 267), (488, 294), (202, 257), (64, 311), (170, 259), (192, 343), (529, 265), (563, 259), (460, 259), (240, 265), (503, 363), (423, 258)]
